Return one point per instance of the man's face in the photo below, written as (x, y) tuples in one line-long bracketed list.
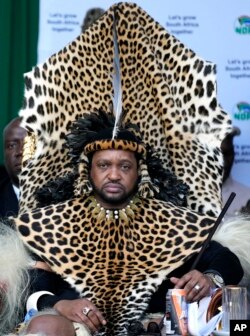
[(13, 149), (114, 176)]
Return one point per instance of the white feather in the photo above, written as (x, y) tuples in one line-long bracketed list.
[(117, 87)]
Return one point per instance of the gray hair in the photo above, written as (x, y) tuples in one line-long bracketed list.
[(14, 279)]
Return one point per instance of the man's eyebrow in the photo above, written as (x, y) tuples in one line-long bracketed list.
[(126, 160), (102, 160), (108, 160), (14, 138), (10, 142)]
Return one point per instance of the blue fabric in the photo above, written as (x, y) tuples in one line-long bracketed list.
[(32, 312)]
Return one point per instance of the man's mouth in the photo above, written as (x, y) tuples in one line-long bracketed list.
[(113, 188), (18, 168)]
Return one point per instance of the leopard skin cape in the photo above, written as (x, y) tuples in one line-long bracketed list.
[(170, 93), (167, 90)]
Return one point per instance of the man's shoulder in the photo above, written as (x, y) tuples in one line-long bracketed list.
[(3, 172), (7, 193), (8, 199), (5, 184)]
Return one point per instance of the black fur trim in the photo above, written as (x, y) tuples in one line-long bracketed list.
[(56, 191), (87, 130), (93, 127), (171, 189)]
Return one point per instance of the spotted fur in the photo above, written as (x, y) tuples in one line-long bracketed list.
[(168, 91), (116, 263)]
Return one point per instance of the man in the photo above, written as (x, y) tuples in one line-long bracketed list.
[(13, 138), (117, 258), (229, 184), (121, 247)]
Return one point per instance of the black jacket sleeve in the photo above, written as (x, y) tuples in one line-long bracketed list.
[(49, 281), (219, 259), (216, 258)]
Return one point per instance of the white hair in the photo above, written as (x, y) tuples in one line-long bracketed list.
[(14, 280), (234, 233)]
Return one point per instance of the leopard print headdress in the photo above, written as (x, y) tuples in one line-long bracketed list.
[(167, 91), (94, 132), (101, 132)]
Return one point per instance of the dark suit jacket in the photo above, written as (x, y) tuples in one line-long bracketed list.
[(8, 199)]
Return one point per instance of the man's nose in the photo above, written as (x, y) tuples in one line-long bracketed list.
[(114, 174), (19, 149)]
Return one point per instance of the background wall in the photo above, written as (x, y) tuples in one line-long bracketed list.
[(18, 53), (219, 31)]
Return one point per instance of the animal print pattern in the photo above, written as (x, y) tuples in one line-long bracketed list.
[(168, 91), (116, 263)]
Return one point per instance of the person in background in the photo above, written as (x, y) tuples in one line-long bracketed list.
[(239, 210), (13, 139), (3, 173), (229, 184), (246, 208), (91, 16)]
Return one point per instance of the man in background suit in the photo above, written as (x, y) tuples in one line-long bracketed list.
[(13, 138), (229, 183)]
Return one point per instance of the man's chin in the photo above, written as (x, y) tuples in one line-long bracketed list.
[(114, 199), (18, 169)]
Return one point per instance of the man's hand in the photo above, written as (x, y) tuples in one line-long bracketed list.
[(73, 310), (196, 284)]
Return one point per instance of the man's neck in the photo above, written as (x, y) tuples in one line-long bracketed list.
[(111, 206)]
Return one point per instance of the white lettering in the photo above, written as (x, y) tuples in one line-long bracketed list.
[(243, 326), (240, 327), (237, 327)]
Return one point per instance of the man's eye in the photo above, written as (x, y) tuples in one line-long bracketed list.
[(125, 167), (11, 146), (102, 165)]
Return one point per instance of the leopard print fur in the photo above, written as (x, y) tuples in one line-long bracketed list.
[(116, 263), (168, 91)]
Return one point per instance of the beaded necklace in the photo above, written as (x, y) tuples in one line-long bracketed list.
[(125, 213)]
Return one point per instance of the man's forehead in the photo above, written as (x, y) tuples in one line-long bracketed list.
[(15, 132), (109, 154)]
